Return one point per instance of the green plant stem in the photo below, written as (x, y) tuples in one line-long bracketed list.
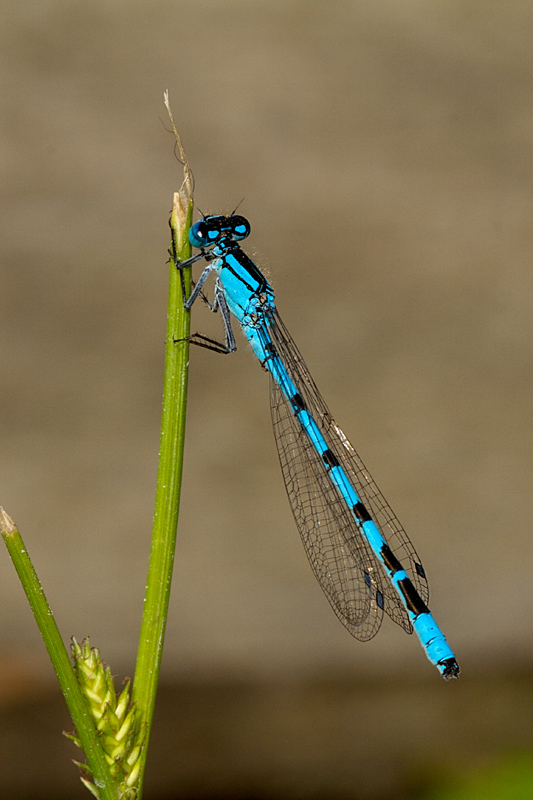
[(168, 478), (77, 705)]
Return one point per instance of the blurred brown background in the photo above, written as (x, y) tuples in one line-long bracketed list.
[(384, 151)]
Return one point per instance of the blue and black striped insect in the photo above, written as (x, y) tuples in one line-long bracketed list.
[(358, 550)]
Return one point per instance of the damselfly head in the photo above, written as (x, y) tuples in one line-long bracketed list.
[(209, 230)]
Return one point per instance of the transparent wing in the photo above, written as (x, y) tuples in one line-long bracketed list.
[(339, 560), (347, 569)]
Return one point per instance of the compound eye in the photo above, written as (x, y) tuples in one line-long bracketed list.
[(240, 227), (202, 234)]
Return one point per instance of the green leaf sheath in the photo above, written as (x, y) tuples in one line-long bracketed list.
[(76, 703)]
